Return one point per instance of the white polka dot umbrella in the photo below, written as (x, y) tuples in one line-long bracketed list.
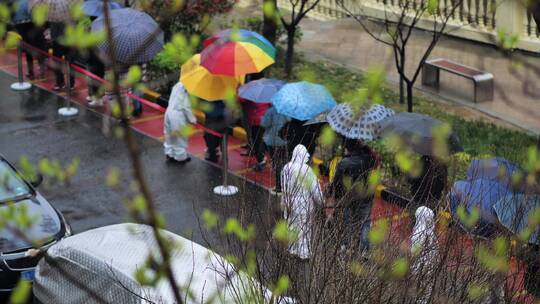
[(363, 125)]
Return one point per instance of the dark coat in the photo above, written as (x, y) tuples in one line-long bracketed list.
[(355, 166), (428, 187), (295, 133)]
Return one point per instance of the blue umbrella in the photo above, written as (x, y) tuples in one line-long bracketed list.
[(94, 8), (303, 100), (481, 193), (137, 37), (260, 90), (21, 14), (495, 168), (513, 212)]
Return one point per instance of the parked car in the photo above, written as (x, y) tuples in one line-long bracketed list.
[(100, 265), (15, 244)]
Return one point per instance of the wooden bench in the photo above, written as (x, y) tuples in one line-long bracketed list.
[(483, 81)]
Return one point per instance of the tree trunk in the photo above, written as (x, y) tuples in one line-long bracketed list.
[(401, 70), (401, 89), (269, 22), (290, 51), (409, 96)]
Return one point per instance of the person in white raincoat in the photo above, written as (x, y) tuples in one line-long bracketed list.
[(177, 116), (301, 193), (424, 247)]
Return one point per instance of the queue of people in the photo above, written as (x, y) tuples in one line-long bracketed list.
[(41, 39)]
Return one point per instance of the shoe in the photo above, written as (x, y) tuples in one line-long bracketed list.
[(211, 157), (260, 166), (59, 87), (88, 98), (276, 191), (172, 159), (95, 102), (30, 76), (188, 159)]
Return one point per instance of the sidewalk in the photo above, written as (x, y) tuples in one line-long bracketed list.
[(517, 93)]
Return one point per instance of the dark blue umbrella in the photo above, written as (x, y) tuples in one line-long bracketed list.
[(137, 37), (481, 193), (21, 14), (260, 90), (513, 212), (94, 8), (495, 168)]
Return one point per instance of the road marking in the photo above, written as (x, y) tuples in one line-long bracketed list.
[(145, 119)]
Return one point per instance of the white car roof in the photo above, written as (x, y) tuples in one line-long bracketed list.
[(105, 260)]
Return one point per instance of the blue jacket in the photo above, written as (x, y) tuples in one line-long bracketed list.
[(273, 122)]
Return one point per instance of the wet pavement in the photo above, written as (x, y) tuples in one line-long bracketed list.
[(30, 125)]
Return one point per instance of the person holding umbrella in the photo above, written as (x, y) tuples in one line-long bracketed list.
[(422, 134), (58, 15), (30, 34), (136, 39), (94, 9), (356, 165), (302, 101), (273, 122)]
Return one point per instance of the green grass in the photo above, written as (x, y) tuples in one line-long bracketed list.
[(479, 138)]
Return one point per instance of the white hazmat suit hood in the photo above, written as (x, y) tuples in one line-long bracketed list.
[(301, 192)]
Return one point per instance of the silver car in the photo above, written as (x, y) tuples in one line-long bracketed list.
[(15, 244)]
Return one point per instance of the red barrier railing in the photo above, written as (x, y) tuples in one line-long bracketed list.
[(224, 189)]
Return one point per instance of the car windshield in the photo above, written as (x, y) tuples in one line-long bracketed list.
[(11, 185)]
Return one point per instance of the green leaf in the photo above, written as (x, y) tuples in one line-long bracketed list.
[(378, 232), (76, 11), (400, 267), (27, 169), (12, 40), (21, 293), (133, 76), (469, 219), (476, 291), (4, 13), (269, 9), (432, 6), (113, 177), (210, 218), (281, 286), (327, 137), (40, 13), (282, 232)]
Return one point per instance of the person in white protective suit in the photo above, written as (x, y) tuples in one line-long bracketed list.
[(177, 116), (301, 194), (424, 247)]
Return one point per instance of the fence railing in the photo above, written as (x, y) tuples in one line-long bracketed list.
[(472, 19)]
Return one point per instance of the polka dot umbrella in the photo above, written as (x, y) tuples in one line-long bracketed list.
[(363, 125)]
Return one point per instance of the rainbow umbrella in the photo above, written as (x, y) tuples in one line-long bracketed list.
[(201, 83), (235, 58), (242, 35)]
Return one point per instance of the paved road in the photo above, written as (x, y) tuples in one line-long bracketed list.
[(30, 125)]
